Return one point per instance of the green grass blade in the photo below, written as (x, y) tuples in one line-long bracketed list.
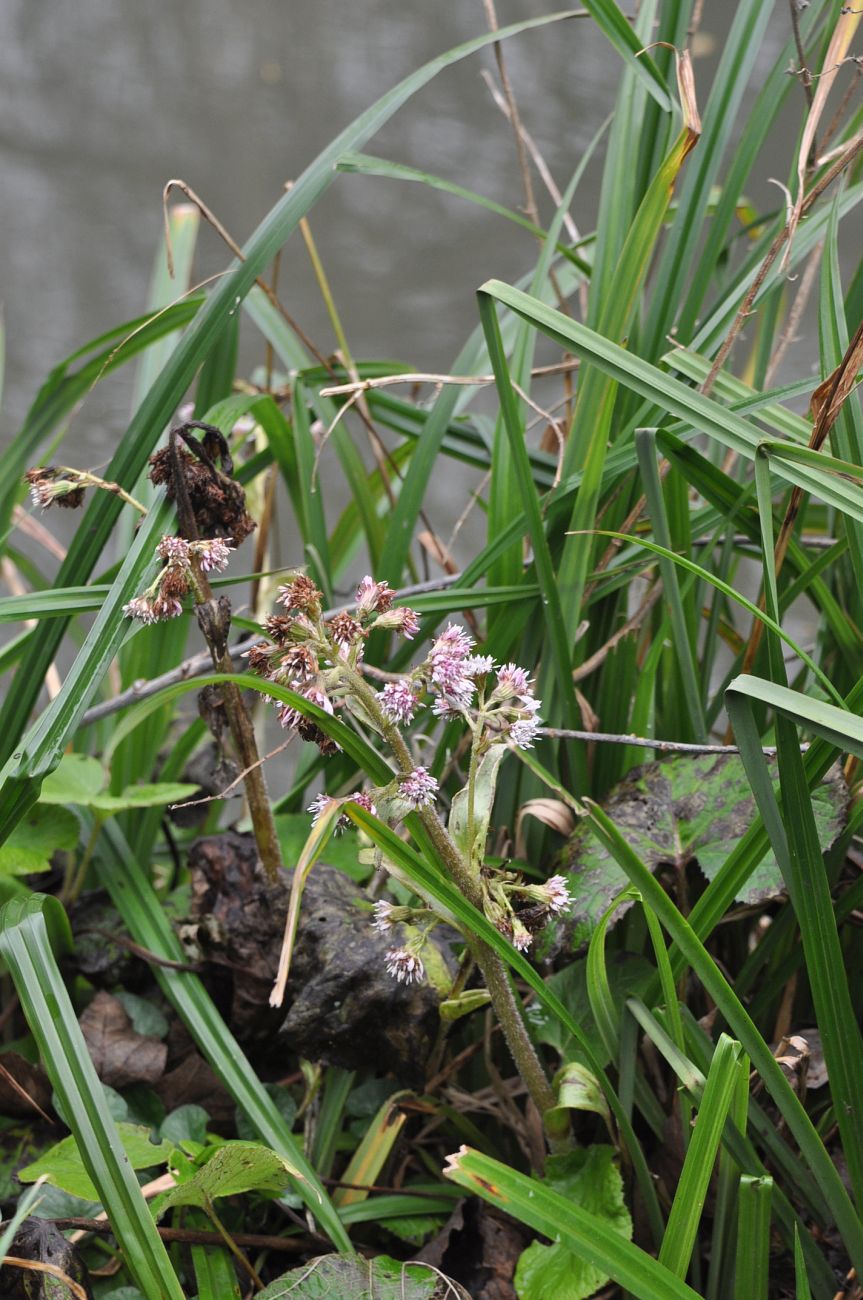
[(645, 446), (794, 840), (788, 1103), (563, 1220), (752, 1263), (682, 1228), (561, 664), (731, 430), (25, 948)]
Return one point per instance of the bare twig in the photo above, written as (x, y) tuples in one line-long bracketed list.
[(431, 377), (801, 298), (645, 742)]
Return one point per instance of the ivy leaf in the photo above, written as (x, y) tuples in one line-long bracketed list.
[(64, 1168), (29, 847), (350, 1277), (676, 811), (233, 1168), (590, 1178)]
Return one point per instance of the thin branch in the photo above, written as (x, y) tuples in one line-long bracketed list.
[(432, 377), (646, 742)]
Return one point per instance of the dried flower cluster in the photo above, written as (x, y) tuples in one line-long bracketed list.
[(163, 599), (309, 654), (218, 501), (50, 487)]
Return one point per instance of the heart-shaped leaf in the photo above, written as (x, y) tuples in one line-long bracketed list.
[(676, 811)]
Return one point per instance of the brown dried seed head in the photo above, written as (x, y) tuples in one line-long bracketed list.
[(301, 595), (345, 630)]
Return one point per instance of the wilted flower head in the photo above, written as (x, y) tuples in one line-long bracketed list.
[(346, 632), (301, 595), (50, 486), (404, 965), (373, 597), (419, 788)]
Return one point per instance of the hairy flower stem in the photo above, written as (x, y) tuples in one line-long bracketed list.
[(492, 968), (86, 479)]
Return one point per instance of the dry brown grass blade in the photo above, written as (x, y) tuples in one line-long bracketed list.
[(826, 403), (843, 33)]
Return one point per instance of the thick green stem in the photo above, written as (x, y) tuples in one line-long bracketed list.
[(493, 970)]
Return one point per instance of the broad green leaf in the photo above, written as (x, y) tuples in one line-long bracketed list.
[(63, 1167), (674, 811), (350, 1277), (77, 779), (234, 1168), (41, 831)]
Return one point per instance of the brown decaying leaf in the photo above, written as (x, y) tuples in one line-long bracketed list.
[(120, 1054)]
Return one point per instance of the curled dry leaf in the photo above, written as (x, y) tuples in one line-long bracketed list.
[(120, 1054), (551, 812)]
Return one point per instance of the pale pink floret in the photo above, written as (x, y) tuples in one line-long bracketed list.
[(521, 938), (174, 550), (478, 665), (404, 965), (557, 892), (214, 554), (512, 680), (398, 702), (141, 608), (373, 596), (383, 921), (419, 788), (523, 732)]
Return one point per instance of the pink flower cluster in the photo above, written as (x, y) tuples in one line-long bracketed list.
[(164, 599), (321, 801)]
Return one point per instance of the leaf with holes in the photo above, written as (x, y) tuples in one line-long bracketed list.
[(674, 812)]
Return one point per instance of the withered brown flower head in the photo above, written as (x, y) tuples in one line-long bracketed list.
[(175, 583), (53, 487), (218, 502), (345, 630), (301, 595), (278, 626), (259, 657)]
